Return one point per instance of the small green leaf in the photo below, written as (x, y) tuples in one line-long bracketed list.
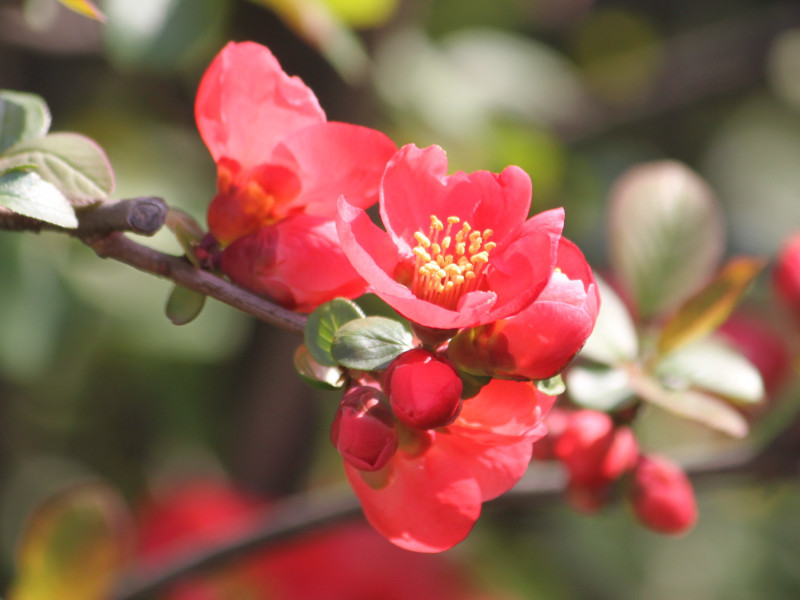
[(691, 404), (554, 386), (73, 547), (317, 375), (666, 234), (323, 323), (708, 309), (613, 339), (600, 389), (186, 230), (370, 344), (22, 117), (471, 384), (715, 367), (27, 194), (183, 305), (73, 163)]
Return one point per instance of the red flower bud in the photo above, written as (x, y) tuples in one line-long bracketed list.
[(424, 390), (594, 450), (786, 276), (662, 496), (363, 429)]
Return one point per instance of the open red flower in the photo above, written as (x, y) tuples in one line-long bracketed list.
[(278, 161), (429, 495), (539, 341), (458, 250)]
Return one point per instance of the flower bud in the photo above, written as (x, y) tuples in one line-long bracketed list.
[(662, 496), (363, 429), (424, 390), (594, 450)]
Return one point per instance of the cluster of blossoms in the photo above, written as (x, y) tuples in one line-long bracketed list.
[(597, 452), (494, 297)]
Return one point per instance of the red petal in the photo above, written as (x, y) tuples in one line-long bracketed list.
[(429, 505), (297, 262), (503, 412), (332, 160), (246, 104)]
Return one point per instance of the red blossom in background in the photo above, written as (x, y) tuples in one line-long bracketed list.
[(429, 495), (458, 250), (786, 275), (347, 562), (281, 168), (662, 496), (538, 342)]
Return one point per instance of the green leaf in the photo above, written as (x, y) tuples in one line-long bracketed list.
[(713, 366), (73, 547), (708, 309), (691, 404), (323, 323), (613, 339), (666, 234), (600, 389), (187, 231), (22, 117), (370, 344), (27, 194), (184, 305), (317, 375), (554, 386), (73, 163)]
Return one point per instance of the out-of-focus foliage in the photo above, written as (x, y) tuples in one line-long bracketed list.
[(95, 380)]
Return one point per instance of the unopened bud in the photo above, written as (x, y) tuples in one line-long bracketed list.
[(662, 496), (363, 429), (594, 450), (424, 390)]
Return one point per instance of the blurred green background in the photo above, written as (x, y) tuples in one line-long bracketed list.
[(95, 381)]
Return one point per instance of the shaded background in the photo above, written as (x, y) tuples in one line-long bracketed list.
[(94, 380)]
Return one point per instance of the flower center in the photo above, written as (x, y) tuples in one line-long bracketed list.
[(449, 267)]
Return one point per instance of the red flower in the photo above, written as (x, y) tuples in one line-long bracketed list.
[(457, 250), (786, 275), (281, 168), (347, 562), (662, 496), (429, 495), (539, 341)]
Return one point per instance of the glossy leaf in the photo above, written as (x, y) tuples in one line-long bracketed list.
[(613, 339), (73, 163), (73, 547), (691, 404), (666, 234), (323, 323), (370, 344), (599, 388), (27, 194), (22, 117), (553, 386), (319, 376), (715, 367), (184, 305), (711, 306), (86, 8)]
